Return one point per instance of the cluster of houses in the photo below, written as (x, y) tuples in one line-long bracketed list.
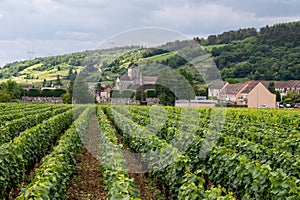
[(251, 94)]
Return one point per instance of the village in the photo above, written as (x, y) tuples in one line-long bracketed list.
[(251, 94)]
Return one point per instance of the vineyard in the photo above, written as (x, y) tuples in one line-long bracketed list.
[(184, 153)]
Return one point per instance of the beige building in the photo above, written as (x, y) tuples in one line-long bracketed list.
[(252, 94), (256, 94)]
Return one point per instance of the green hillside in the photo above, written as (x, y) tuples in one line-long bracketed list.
[(48, 69), (270, 53)]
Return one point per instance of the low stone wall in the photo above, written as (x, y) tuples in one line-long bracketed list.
[(42, 99)]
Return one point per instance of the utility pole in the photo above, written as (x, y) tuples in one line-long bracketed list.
[(30, 54)]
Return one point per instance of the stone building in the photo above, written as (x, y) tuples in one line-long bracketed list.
[(134, 79)]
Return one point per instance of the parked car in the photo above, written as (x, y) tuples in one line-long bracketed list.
[(288, 105), (297, 105), (281, 106), (263, 106)]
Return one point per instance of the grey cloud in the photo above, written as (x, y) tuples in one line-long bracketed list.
[(91, 21)]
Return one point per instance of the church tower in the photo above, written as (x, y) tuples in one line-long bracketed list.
[(134, 74)]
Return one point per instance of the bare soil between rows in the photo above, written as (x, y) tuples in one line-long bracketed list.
[(87, 182)]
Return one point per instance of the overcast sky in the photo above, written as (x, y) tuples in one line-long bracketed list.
[(52, 27)]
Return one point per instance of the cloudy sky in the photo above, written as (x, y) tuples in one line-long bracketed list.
[(52, 27)]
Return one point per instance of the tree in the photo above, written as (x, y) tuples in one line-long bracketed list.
[(150, 94), (292, 97), (46, 93), (4, 97), (34, 92), (58, 92), (127, 94), (165, 95), (139, 95), (278, 96), (67, 98), (189, 76), (115, 93), (99, 89), (271, 87), (58, 80), (81, 93), (12, 88), (44, 83)]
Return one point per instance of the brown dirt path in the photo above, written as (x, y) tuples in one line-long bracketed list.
[(87, 181)]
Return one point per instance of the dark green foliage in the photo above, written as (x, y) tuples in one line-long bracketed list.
[(227, 37), (127, 94), (150, 94), (115, 93), (25, 149), (46, 93), (81, 93), (140, 95), (34, 92), (12, 88), (271, 55), (174, 61), (67, 98), (152, 52), (165, 95), (58, 92), (4, 97)]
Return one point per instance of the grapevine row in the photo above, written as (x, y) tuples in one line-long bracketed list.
[(53, 176), (267, 188), (116, 177), (23, 151), (21, 113), (13, 128), (165, 162)]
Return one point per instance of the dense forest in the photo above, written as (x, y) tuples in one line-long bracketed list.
[(270, 53)]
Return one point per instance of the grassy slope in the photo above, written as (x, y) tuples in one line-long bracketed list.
[(39, 76)]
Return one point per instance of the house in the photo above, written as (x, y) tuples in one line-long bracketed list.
[(215, 88), (256, 94), (251, 94), (283, 87), (105, 93), (231, 92), (134, 79)]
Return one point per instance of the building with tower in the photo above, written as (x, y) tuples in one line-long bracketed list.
[(134, 79)]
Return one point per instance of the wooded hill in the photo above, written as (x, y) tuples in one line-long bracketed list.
[(270, 53)]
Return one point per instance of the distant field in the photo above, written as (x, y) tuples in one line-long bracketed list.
[(37, 76)]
